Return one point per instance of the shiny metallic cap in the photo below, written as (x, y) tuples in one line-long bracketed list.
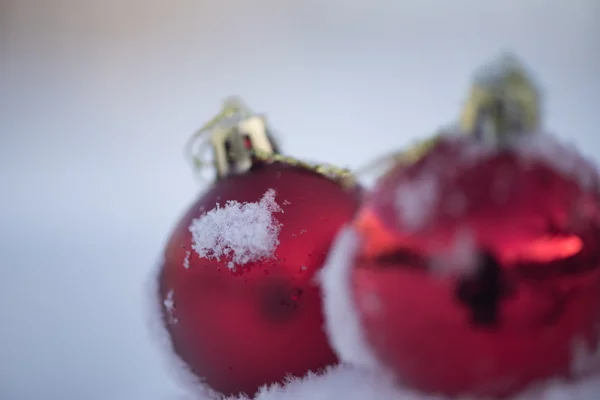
[(234, 136)]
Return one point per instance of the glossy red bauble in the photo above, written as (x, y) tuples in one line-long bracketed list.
[(479, 271), (239, 296)]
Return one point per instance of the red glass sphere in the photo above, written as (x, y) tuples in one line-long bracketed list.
[(478, 271), (249, 316)]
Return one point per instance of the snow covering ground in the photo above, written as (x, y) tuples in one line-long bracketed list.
[(353, 383)]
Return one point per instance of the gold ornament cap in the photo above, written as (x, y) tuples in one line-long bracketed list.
[(240, 139), (504, 101), (235, 135)]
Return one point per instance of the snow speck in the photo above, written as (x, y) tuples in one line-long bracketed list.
[(169, 304), (415, 200), (186, 260), (342, 324), (239, 232)]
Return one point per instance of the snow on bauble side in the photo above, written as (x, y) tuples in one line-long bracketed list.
[(238, 276), (491, 277)]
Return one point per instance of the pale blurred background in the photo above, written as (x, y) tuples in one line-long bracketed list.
[(98, 97)]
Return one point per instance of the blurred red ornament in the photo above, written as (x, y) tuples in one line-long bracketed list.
[(478, 270), (240, 302)]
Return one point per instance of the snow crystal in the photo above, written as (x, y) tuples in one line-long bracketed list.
[(342, 323), (415, 200), (186, 260), (242, 232), (169, 304)]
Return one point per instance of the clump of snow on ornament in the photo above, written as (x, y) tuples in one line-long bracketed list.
[(242, 232)]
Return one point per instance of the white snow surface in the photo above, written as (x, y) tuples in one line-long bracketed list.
[(242, 232), (347, 382), (343, 382)]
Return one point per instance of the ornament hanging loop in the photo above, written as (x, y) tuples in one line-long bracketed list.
[(234, 135)]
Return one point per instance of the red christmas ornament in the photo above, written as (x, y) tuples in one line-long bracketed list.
[(478, 270), (240, 301)]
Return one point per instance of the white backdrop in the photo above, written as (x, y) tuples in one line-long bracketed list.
[(98, 97)]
